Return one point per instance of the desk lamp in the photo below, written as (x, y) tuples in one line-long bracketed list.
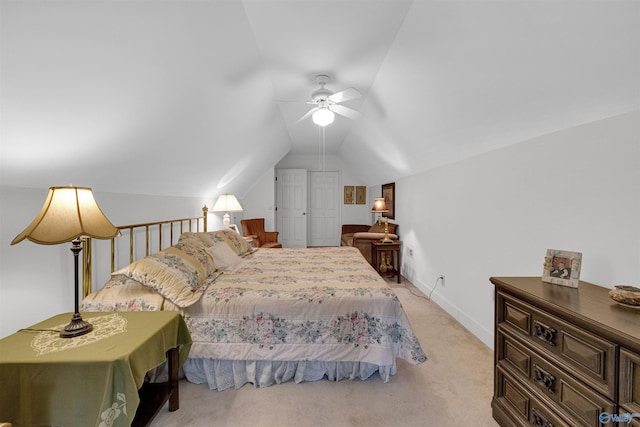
[(68, 215)]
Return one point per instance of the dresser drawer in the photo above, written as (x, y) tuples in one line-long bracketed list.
[(590, 358), (580, 403), (522, 405), (629, 381)]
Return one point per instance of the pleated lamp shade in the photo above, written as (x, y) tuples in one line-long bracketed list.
[(227, 203), (68, 213)]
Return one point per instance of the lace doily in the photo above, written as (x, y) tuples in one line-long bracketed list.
[(103, 327)]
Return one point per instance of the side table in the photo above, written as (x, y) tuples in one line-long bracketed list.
[(93, 378), (391, 266)]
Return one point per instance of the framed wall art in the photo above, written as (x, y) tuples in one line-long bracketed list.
[(389, 195), (348, 194), (361, 195), (562, 268)]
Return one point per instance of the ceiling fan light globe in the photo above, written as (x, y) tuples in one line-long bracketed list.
[(323, 117)]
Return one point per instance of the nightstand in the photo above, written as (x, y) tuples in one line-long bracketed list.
[(93, 378), (386, 252)]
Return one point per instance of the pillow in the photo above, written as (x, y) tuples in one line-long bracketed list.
[(190, 244), (174, 274), (233, 239), (377, 228), (225, 258), (122, 293), (237, 242)]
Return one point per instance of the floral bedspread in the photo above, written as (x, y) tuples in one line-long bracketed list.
[(315, 304)]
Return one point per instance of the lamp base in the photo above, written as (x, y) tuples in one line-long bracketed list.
[(226, 221), (386, 238), (77, 327)]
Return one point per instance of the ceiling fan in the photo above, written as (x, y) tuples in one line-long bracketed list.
[(327, 103)]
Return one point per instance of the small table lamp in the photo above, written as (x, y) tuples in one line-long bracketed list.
[(227, 203), (380, 206), (68, 214)]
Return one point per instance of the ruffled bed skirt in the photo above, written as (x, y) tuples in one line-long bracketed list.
[(222, 374)]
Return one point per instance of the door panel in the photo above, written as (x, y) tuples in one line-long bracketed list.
[(291, 207), (324, 210)]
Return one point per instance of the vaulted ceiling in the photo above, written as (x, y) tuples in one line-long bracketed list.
[(200, 97)]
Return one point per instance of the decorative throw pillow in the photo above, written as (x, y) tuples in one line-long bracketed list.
[(237, 241), (377, 228), (174, 274), (192, 245), (233, 239), (225, 258)]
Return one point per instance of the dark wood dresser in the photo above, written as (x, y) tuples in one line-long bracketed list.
[(564, 356)]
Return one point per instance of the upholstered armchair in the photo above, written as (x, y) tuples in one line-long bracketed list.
[(254, 228), (360, 236)]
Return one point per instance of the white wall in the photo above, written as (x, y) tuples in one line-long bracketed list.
[(36, 281), (496, 215), (259, 201)]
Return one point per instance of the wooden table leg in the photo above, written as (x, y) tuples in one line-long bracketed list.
[(172, 360), (374, 258), (153, 396), (399, 258)]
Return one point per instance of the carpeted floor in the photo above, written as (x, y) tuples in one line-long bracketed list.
[(452, 388)]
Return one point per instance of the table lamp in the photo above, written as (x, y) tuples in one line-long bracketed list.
[(380, 206), (69, 214), (227, 203)]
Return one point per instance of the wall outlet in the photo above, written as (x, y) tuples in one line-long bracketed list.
[(410, 251)]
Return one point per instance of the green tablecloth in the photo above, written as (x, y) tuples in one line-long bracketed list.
[(91, 380)]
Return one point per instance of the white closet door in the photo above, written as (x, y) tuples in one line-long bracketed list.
[(291, 207), (324, 212)]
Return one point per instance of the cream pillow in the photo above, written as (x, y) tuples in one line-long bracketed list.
[(377, 228), (174, 274), (225, 258)]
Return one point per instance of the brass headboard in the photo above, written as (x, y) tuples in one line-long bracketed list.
[(153, 231)]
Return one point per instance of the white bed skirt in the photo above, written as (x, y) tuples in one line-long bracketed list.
[(222, 374)]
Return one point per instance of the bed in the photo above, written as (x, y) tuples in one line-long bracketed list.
[(267, 316)]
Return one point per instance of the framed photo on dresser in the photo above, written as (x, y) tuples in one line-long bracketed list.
[(562, 268)]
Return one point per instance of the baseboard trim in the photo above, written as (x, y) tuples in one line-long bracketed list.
[(483, 334)]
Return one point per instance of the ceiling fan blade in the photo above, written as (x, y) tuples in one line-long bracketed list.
[(307, 114), (346, 111), (345, 95)]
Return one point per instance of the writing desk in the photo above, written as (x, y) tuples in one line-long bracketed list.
[(93, 379)]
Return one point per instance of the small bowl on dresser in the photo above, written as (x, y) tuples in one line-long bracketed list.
[(626, 296)]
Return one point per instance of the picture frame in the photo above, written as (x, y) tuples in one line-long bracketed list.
[(562, 268), (389, 195), (348, 194), (234, 227), (361, 195)]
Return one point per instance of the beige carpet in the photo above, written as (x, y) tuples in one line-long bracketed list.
[(452, 388)]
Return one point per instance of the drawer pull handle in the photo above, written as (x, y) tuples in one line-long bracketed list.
[(545, 379), (544, 333), (540, 421)]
